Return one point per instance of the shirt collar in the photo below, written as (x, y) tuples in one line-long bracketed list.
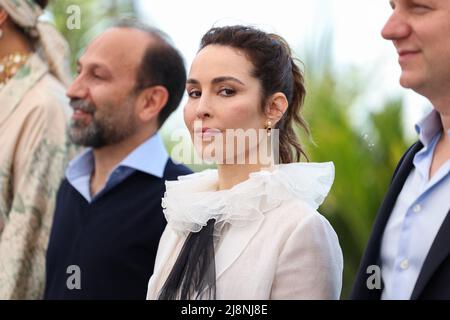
[(429, 127), (150, 157), (80, 166)]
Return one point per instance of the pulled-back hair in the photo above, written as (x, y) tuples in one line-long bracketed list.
[(276, 70), (42, 3)]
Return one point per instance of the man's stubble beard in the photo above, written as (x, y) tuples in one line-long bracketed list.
[(103, 130)]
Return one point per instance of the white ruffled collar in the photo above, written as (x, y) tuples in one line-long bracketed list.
[(192, 200)]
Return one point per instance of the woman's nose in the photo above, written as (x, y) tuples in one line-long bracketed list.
[(204, 109)]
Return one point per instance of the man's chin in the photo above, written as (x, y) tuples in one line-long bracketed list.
[(407, 81), (80, 138), (80, 123)]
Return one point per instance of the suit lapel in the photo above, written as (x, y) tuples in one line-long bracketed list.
[(401, 174), (372, 253), (233, 243), (439, 250)]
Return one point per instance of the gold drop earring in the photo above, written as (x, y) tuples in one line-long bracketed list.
[(269, 127)]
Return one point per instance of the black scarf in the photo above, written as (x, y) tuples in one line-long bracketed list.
[(193, 275)]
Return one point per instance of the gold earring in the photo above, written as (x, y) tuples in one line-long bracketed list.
[(269, 127), (1, 33)]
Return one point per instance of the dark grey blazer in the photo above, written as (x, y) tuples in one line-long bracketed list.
[(434, 278)]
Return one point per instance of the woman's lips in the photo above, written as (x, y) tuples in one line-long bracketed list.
[(207, 132)]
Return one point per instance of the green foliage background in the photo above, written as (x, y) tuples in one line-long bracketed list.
[(364, 159), (365, 153)]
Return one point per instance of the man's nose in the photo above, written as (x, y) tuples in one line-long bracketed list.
[(77, 90), (397, 27)]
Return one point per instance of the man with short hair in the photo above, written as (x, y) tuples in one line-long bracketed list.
[(108, 217), (411, 235)]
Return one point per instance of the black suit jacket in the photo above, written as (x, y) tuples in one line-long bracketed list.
[(434, 278)]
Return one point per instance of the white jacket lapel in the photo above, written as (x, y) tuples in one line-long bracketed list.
[(233, 244)]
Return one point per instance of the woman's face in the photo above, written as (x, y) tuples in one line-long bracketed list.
[(223, 97)]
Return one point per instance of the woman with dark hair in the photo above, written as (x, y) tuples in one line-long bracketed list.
[(250, 229), (35, 148)]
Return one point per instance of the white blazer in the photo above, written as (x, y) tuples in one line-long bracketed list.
[(285, 250)]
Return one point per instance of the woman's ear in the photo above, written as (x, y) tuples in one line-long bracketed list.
[(3, 16), (276, 106), (151, 101)]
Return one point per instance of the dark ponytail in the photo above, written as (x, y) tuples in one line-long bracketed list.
[(277, 71), (41, 3)]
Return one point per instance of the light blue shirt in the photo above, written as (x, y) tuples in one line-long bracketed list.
[(421, 207), (149, 157)]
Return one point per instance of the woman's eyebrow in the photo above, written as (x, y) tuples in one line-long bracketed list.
[(216, 80), (226, 78)]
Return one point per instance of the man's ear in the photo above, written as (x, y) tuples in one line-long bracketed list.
[(276, 106), (151, 101)]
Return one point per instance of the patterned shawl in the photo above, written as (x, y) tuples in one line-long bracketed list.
[(26, 13)]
